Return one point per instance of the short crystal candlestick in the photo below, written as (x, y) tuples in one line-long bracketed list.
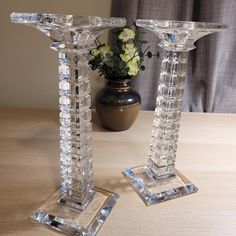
[(158, 180), (78, 208)]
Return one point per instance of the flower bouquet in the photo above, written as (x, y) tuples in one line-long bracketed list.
[(124, 61), (117, 104)]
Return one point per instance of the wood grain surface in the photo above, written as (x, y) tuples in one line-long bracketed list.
[(29, 174)]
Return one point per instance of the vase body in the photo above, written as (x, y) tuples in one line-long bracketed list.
[(118, 105)]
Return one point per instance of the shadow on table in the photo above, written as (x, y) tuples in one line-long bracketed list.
[(115, 184)]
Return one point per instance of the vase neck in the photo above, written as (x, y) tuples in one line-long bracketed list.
[(119, 84)]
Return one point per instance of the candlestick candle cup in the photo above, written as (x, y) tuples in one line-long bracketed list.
[(158, 180), (77, 208)]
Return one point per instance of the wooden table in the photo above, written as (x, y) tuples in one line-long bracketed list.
[(29, 174)]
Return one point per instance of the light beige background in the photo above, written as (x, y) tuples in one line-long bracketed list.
[(28, 67)]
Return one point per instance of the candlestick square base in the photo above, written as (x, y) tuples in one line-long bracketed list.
[(73, 221), (153, 191)]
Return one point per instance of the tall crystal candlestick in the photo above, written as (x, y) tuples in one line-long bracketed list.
[(77, 208), (158, 180)]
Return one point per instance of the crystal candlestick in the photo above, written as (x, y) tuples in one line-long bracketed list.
[(78, 207), (158, 180)]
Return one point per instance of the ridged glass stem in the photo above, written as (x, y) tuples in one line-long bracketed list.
[(162, 155), (75, 128)]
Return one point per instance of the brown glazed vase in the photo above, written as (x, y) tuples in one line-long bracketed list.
[(117, 105)]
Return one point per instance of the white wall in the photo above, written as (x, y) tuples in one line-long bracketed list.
[(28, 67)]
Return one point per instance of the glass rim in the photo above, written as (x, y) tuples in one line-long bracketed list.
[(66, 20), (181, 25)]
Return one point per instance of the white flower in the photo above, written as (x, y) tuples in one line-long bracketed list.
[(130, 52), (133, 67), (126, 34), (125, 57), (104, 50), (129, 46), (133, 53)]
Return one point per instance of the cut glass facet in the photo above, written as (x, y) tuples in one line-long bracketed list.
[(158, 180), (77, 208), (71, 221)]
